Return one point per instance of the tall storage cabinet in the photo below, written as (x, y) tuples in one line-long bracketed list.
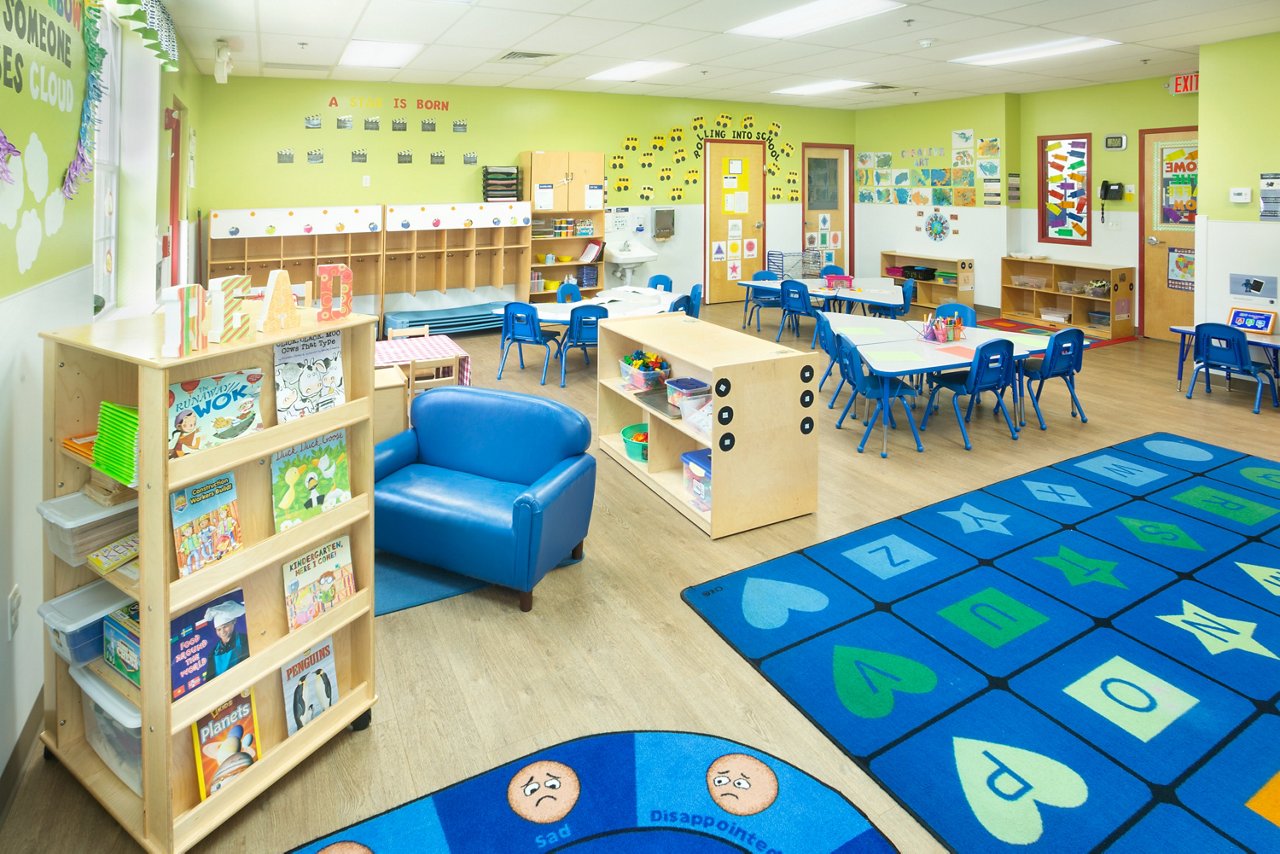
[(564, 187), (119, 362)]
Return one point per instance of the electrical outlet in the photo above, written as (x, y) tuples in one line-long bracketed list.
[(15, 603), (364, 182)]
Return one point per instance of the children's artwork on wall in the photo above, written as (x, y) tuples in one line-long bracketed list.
[(901, 177), (862, 177), (373, 123), (1177, 164), (939, 177), (884, 159), (989, 168), (460, 126), (941, 196), (884, 195), (920, 197), (359, 155), (962, 157), (437, 158), (311, 122), (866, 195), (866, 159), (964, 197), (428, 125), (901, 195), (919, 177), (961, 177), (400, 124), (404, 155), (883, 177), (1064, 214), (989, 146)]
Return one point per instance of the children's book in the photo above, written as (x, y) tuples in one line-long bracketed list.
[(310, 685), (206, 522), (309, 479), (207, 641), (206, 412), (226, 742), (309, 375), (318, 581)]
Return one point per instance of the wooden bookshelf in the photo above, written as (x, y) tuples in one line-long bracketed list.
[(932, 293), (1030, 289)]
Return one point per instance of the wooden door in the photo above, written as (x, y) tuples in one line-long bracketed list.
[(586, 180), (828, 203), (546, 176), (1167, 202), (734, 182)]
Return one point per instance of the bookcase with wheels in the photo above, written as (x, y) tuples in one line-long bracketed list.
[(953, 281), (763, 463), (119, 362), (1097, 298)]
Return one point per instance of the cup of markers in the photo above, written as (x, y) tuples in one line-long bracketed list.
[(943, 329)]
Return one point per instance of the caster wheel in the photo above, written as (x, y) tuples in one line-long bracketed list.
[(48, 754), (362, 723)]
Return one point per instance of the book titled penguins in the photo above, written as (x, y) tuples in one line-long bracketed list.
[(226, 742), (308, 375), (309, 479), (310, 685)]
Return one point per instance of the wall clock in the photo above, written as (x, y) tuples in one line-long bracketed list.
[(937, 227)]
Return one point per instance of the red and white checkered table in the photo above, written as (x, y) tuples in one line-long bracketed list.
[(402, 351)]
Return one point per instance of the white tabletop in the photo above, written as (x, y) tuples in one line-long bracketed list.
[(628, 301), (864, 329), (1272, 341), (872, 290), (898, 358)]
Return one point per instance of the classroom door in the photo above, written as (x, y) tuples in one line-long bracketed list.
[(1167, 203), (733, 181), (828, 204)]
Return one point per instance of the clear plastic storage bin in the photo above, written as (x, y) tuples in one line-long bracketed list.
[(75, 524), (697, 477), (696, 413), (112, 726), (1036, 282), (74, 620)]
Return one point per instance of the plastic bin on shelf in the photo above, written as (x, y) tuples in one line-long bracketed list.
[(696, 412), (678, 388), (1071, 287), (112, 726), (75, 524), (642, 380), (697, 477), (74, 619), (1098, 290), (638, 451), (1057, 315), (1037, 282), (1100, 318)]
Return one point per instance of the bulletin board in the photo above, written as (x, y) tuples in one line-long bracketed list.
[(1065, 189)]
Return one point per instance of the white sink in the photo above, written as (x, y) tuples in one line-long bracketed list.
[(626, 256)]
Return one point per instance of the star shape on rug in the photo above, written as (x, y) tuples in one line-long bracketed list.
[(1218, 634), (972, 520)]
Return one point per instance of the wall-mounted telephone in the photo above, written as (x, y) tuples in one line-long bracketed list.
[(1110, 191)]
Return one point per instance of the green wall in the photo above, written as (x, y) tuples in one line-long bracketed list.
[(186, 86), (42, 236), (1238, 129), (247, 120)]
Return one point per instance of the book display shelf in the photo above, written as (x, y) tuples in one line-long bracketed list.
[(119, 362)]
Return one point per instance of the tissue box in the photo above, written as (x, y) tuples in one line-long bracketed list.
[(120, 644)]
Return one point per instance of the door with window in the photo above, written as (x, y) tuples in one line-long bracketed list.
[(1167, 198), (828, 203), (734, 182)]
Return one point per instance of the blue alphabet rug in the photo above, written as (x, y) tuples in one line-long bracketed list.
[(1082, 657), (639, 792)]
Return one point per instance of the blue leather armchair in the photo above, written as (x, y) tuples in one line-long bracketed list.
[(489, 484)]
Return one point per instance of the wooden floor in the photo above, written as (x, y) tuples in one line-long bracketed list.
[(471, 682)]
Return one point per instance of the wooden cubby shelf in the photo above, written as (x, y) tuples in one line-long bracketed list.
[(931, 293), (1032, 288)]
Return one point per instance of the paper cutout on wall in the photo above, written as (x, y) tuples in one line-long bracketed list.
[(836, 239), (811, 239), (1064, 194), (719, 251), (315, 156), (920, 197), (901, 195), (866, 159), (919, 177), (735, 249), (750, 248), (964, 197), (939, 177), (962, 138), (941, 196), (901, 177), (962, 157), (884, 159), (344, 123), (734, 271), (962, 177), (989, 146), (1182, 269), (989, 168), (284, 155)]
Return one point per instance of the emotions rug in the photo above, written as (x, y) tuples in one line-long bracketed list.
[(1085, 656), (646, 792)]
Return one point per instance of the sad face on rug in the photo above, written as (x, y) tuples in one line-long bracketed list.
[(741, 784), (543, 791)]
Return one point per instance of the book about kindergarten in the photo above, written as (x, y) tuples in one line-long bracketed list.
[(207, 641), (309, 375), (227, 743), (309, 479), (310, 685), (206, 522), (318, 581), (206, 412)]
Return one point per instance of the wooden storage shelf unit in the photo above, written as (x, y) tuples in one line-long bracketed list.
[(441, 247), (1031, 288), (571, 246), (566, 186), (932, 293), (764, 448), (119, 362)]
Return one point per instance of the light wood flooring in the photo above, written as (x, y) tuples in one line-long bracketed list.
[(469, 683)]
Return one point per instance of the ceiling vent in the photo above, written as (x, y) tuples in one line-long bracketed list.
[(880, 87), (525, 57)]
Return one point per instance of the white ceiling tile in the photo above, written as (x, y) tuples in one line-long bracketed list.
[(587, 86), (243, 44), (538, 82), (648, 42), (718, 16), (574, 34), (299, 73), (979, 7), (280, 48), (474, 78), (231, 14), (640, 12), (768, 53), (378, 75), (440, 57), (494, 28), (322, 18), (1049, 13), (1213, 35), (397, 21), (881, 28), (424, 75), (557, 7)]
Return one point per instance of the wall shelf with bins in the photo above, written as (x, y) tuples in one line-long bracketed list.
[(764, 448), (587, 226), (1061, 294), (119, 361), (933, 292)]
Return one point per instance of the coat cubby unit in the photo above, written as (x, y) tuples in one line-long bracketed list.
[(1029, 287), (438, 247), (119, 362), (764, 448), (571, 246), (932, 293)]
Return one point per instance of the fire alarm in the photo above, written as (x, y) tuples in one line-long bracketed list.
[(1116, 142)]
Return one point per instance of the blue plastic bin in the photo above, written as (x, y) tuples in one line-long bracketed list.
[(697, 477)]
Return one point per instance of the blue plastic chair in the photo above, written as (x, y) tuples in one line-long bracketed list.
[(1063, 359), (1224, 348), (908, 294), (695, 301), (680, 303), (520, 326), (992, 370), (756, 300), (661, 282), (827, 341), (568, 292), (796, 303), (831, 270), (583, 332), (872, 388), (967, 315)]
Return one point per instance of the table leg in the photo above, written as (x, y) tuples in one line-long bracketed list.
[(1183, 338), (884, 417)]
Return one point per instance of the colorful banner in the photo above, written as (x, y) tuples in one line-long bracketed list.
[(1177, 164), (1064, 190)]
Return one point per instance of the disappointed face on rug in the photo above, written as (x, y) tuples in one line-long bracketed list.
[(543, 791), (741, 784)]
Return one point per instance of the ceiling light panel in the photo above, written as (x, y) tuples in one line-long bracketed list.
[(814, 16), (366, 54), (391, 20), (632, 71), (1044, 50), (822, 87)]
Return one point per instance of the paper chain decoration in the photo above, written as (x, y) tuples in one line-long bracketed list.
[(7, 150)]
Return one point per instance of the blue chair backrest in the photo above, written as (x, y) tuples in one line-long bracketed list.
[(520, 319), (992, 367), (584, 324), (680, 303), (795, 297), (831, 270), (695, 301), (908, 294), (1220, 345), (1065, 354), (956, 309), (851, 367), (661, 281), (568, 292), (764, 276), (827, 336)]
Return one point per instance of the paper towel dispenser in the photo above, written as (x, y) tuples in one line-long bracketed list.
[(664, 223)]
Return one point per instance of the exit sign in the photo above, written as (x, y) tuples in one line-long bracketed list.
[(1184, 84)]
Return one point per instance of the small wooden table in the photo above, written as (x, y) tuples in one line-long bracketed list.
[(441, 350)]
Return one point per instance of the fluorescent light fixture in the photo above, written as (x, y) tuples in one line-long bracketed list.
[(636, 70), (366, 54), (821, 88), (812, 17), (1036, 51)]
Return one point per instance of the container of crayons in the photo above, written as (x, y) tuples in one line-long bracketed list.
[(943, 329)]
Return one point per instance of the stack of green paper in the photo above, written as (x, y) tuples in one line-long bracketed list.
[(115, 454)]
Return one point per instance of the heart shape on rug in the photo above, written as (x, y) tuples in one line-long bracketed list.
[(866, 679), (1005, 786), (767, 604)]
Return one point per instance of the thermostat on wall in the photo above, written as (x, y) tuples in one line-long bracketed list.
[(1116, 142)]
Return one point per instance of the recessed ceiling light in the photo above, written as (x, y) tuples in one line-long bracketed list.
[(635, 70), (812, 17), (1036, 51), (821, 88), (367, 54)]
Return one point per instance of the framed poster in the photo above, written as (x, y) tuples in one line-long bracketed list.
[(1065, 188), (1177, 165)]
